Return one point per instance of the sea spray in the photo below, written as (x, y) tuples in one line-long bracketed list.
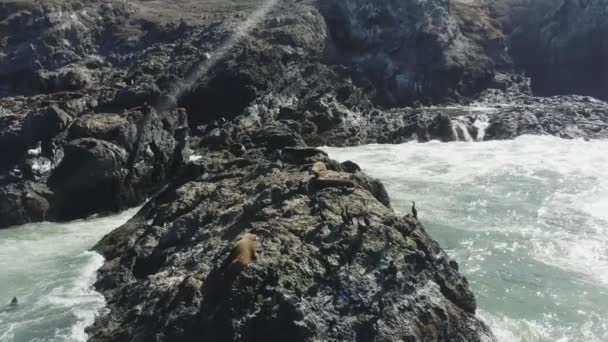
[(461, 131), (481, 124), (49, 268), (211, 59), (525, 219)]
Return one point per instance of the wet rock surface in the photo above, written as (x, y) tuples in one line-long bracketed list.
[(335, 73), (90, 123), (564, 48), (561, 45), (333, 263), (568, 117), (95, 163)]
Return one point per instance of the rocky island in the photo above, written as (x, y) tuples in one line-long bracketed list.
[(213, 110)]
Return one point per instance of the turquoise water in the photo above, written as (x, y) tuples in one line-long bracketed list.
[(527, 220), (49, 268)]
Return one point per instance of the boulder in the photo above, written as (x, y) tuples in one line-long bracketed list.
[(89, 179), (277, 137)]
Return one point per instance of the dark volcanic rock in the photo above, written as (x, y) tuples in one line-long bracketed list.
[(407, 50), (310, 73), (137, 155), (315, 73), (99, 163), (24, 202), (19, 134), (89, 123), (561, 45), (88, 178), (565, 48), (46, 46), (567, 117), (277, 137), (332, 265)]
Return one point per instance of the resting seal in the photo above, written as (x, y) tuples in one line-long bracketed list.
[(319, 169), (322, 183), (242, 254)]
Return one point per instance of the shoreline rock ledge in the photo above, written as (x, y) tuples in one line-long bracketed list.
[(333, 263)]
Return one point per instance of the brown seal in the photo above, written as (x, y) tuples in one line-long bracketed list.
[(319, 169), (242, 254), (321, 183)]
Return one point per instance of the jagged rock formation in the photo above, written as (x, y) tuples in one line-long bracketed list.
[(568, 117), (90, 163), (409, 50), (92, 84), (562, 45), (567, 51), (323, 70), (333, 263)]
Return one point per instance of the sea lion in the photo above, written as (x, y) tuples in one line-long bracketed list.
[(242, 254), (321, 183), (319, 169)]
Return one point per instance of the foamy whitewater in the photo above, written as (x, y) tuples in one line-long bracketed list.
[(49, 268), (527, 220)]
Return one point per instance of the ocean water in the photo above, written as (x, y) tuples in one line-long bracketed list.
[(48, 267), (526, 219)]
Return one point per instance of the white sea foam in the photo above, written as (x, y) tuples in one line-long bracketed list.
[(47, 266), (461, 131), (526, 219), (521, 330), (481, 123)]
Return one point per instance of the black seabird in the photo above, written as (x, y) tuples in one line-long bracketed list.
[(414, 211)]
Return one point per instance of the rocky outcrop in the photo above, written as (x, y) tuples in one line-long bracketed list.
[(567, 117), (333, 263), (567, 51), (410, 50), (561, 45), (102, 101), (95, 163), (62, 89), (326, 71), (50, 46)]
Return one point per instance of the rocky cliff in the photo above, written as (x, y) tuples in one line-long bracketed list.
[(566, 52), (76, 77), (562, 45), (103, 103)]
